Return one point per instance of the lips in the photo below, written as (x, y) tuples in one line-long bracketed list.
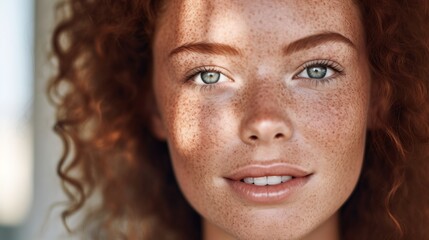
[(267, 184)]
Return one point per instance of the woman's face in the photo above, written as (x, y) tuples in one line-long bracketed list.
[(264, 107)]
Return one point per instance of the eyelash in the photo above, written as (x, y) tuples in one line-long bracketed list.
[(321, 63)]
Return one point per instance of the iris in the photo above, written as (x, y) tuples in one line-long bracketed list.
[(317, 72), (210, 77)]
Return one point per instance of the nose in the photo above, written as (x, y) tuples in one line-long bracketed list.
[(265, 128), (266, 119)]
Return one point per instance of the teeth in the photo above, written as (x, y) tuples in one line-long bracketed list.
[(248, 180), (260, 181), (274, 180), (286, 178), (268, 180)]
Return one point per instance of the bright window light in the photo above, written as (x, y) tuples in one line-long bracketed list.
[(16, 73)]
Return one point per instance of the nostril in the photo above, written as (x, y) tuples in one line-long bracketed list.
[(253, 137), (279, 135), (265, 131)]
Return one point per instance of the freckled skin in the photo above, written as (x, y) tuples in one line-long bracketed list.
[(207, 129)]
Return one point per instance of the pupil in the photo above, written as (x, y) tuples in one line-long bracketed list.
[(316, 72), (210, 77)]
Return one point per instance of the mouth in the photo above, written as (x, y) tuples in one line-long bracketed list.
[(268, 184)]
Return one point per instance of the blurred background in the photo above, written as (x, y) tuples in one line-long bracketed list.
[(29, 150)]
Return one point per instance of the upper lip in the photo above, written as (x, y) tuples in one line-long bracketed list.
[(260, 170)]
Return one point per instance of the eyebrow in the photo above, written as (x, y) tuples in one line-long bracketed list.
[(314, 40), (298, 45), (207, 48)]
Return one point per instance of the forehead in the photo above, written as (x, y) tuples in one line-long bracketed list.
[(237, 21)]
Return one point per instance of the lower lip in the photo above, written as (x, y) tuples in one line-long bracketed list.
[(268, 194)]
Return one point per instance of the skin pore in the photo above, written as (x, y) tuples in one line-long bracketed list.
[(261, 84)]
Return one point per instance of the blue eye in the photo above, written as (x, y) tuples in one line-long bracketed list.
[(320, 70), (210, 77), (316, 72)]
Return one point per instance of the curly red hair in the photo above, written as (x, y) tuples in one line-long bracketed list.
[(103, 95)]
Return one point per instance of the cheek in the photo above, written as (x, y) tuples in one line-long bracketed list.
[(196, 126), (336, 121), (334, 126), (198, 129)]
